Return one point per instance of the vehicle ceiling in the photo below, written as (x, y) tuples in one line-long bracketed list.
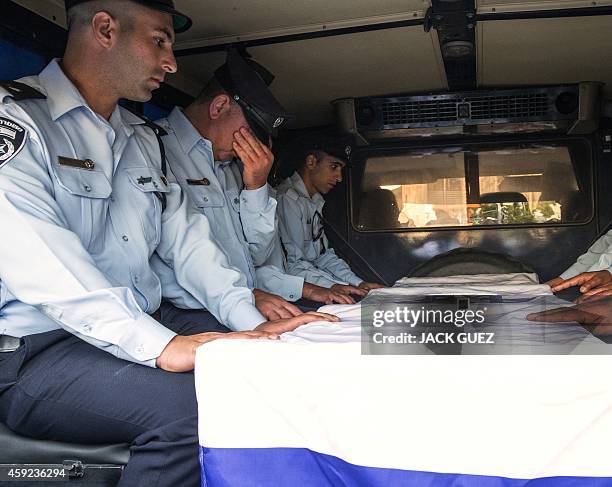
[(311, 70)]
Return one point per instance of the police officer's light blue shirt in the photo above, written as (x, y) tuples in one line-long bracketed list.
[(308, 251), (77, 239), (242, 221), (597, 258), (274, 277)]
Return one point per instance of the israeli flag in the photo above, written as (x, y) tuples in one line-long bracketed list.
[(311, 410)]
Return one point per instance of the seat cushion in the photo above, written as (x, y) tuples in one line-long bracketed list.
[(20, 449)]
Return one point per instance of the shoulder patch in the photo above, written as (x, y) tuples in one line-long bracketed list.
[(12, 139)]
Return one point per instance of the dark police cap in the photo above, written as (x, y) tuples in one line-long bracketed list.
[(292, 155), (338, 146), (247, 83), (181, 22)]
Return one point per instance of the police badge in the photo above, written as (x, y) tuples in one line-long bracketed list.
[(12, 140)]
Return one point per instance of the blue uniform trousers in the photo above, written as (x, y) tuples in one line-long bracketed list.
[(58, 387)]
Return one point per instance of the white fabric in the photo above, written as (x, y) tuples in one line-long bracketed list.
[(516, 416), (507, 285)]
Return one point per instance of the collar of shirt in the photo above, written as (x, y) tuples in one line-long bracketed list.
[(63, 97), (187, 135), (189, 138), (226, 163), (300, 188)]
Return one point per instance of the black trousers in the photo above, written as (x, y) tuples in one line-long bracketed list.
[(58, 387), (307, 305)]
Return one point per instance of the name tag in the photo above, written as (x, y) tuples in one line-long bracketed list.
[(198, 182), (78, 163)]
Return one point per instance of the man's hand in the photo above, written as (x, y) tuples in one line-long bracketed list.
[(348, 290), (325, 295), (256, 157), (554, 282), (595, 314), (274, 307), (276, 327), (368, 286), (599, 292), (179, 354), (590, 283)]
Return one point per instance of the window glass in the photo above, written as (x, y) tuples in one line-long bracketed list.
[(535, 184)]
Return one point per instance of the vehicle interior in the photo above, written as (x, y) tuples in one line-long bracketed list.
[(482, 125)]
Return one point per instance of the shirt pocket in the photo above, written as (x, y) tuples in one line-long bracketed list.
[(83, 182), (205, 196), (83, 195), (151, 186)]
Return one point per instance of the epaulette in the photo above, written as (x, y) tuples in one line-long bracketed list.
[(159, 131), (21, 91)]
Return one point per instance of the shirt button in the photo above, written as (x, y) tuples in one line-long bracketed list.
[(112, 198), (139, 349), (236, 201), (87, 188), (125, 238), (243, 200), (205, 198), (136, 279), (291, 296), (87, 328)]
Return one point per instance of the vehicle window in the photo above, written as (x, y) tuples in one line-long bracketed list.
[(536, 184)]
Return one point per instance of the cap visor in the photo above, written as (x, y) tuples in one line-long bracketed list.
[(260, 132), (180, 22)]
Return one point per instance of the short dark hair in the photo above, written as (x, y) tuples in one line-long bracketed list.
[(301, 162), (211, 89), (81, 14)]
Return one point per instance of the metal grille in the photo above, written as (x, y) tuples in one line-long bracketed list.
[(397, 113), (525, 105), (519, 106)]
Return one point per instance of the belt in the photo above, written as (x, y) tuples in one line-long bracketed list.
[(9, 343)]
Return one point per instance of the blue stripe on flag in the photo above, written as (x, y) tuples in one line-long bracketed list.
[(291, 467)]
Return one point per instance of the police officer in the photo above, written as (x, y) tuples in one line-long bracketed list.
[(84, 204), (300, 210), (235, 116)]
